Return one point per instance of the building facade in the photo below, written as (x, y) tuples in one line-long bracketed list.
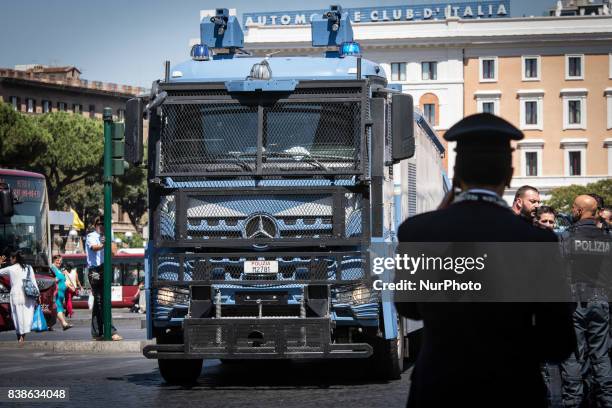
[(549, 76)]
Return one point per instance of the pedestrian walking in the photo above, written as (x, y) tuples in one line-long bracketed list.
[(22, 304), (60, 295), (95, 263), (483, 354), (588, 250), (73, 285)]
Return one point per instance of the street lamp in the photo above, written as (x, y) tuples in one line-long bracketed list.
[(128, 235)]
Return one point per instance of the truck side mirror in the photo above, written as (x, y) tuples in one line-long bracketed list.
[(7, 208), (133, 131), (402, 126)]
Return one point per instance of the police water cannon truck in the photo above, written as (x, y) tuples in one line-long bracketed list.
[(269, 180)]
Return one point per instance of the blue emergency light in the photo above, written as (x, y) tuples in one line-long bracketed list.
[(350, 48), (200, 52)]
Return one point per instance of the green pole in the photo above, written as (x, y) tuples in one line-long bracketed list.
[(108, 212)]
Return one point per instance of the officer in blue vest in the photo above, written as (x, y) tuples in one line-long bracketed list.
[(588, 251)]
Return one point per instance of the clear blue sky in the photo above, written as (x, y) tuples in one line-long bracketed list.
[(126, 41)]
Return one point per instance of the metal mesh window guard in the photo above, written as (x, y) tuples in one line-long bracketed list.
[(233, 136)]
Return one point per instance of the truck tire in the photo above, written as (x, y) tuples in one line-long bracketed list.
[(180, 371), (388, 357)]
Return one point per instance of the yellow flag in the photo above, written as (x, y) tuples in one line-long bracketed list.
[(76, 221)]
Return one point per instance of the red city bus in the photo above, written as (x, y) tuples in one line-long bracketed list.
[(26, 228), (128, 273)]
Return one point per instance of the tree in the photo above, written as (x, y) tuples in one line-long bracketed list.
[(130, 192), (74, 154), (22, 141), (562, 198), (86, 197)]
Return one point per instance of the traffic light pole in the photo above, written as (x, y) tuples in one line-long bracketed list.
[(108, 212)]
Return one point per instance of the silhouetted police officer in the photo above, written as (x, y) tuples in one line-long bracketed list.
[(483, 354), (588, 249)]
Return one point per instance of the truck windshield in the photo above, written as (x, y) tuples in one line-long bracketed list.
[(294, 136), (27, 229)]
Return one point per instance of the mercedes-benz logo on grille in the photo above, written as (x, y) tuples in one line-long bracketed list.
[(260, 226)]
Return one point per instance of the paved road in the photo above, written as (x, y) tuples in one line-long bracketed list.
[(131, 380)]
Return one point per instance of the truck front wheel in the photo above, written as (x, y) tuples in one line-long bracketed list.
[(180, 371), (387, 361)]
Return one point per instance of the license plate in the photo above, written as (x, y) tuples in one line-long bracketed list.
[(260, 266)]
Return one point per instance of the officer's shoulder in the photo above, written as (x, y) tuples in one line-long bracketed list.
[(416, 224)]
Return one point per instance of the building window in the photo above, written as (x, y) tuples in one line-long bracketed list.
[(575, 163), (120, 114), (531, 157), (608, 93), (531, 164), (575, 156), (46, 106), (77, 108), (61, 106), (531, 68), (429, 111), (429, 104), (574, 67), (531, 111), (398, 71), (14, 101), (574, 108), (488, 107), (92, 111), (30, 105), (488, 101), (429, 71), (488, 69), (608, 146)]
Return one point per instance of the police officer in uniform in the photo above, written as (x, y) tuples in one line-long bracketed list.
[(483, 354), (588, 251)]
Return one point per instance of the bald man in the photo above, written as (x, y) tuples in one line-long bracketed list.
[(588, 251)]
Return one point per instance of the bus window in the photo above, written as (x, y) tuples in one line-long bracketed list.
[(134, 274), (117, 275)]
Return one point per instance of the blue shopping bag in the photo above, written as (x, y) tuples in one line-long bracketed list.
[(39, 324)]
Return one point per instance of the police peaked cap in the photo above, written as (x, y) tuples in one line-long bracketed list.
[(483, 133)]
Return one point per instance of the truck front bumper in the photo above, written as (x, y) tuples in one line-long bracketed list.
[(257, 338)]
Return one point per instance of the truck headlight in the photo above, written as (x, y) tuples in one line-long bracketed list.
[(172, 295)]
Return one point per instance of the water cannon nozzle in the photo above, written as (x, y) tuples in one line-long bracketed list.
[(220, 20)]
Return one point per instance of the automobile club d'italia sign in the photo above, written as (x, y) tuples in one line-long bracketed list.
[(465, 10)]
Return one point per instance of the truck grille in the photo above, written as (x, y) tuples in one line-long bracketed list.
[(265, 216), (228, 268)]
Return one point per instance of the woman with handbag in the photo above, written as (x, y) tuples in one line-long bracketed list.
[(73, 284), (24, 293), (60, 278)]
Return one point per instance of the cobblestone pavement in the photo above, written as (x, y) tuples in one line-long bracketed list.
[(127, 380)]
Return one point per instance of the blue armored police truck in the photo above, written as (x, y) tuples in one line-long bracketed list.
[(269, 179)]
